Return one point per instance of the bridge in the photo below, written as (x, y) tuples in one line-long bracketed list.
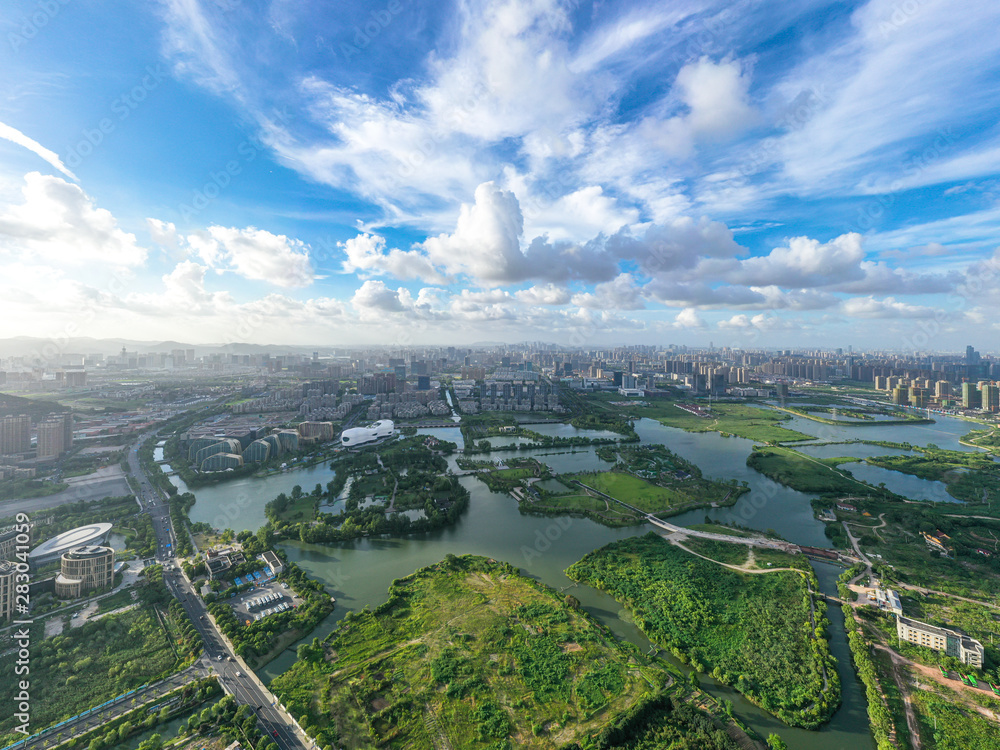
[(753, 541)]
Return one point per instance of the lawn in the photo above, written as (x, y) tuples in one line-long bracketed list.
[(468, 654), (751, 631), (654, 498)]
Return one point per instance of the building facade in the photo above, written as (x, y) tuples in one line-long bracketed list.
[(951, 642), (15, 434), (8, 577), (85, 569)]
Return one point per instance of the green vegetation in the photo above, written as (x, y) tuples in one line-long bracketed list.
[(853, 416), (879, 716), (753, 631), (949, 725), (967, 572), (808, 473), (20, 489), (260, 641), (658, 499), (471, 654), (986, 439), (970, 476), (662, 722), (102, 659), (730, 554), (751, 422), (403, 476), (36, 408), (141, 719)]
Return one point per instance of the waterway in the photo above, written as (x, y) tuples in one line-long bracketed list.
[(358, 573)]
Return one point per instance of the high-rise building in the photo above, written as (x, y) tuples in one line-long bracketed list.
[(8, 580), (51, 437), (970, 396), (990, 397), (15, 434)]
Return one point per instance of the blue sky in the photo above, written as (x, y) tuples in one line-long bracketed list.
[(749, 173)]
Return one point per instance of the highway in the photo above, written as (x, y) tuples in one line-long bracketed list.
[(234, 677)]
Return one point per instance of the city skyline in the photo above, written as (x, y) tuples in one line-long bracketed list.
[(406, 173)]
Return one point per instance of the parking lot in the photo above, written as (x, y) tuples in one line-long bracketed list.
[(264, 600)]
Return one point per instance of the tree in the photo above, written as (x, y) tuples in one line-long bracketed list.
[(775, 742), (572, 602)]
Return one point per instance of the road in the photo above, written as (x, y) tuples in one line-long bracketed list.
[(105, 482), (86, 723), (233, 675)]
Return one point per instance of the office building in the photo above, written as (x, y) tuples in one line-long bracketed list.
[(951, 642), (85, 569)]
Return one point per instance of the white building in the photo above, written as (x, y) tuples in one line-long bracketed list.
[(370, 433)]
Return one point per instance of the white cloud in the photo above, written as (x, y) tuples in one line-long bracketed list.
[(58, 223), (688, 318), (163, 233), (16, 136), (871, 308), (254, 254), (366, 254)]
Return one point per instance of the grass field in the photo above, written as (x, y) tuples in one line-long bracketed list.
[(653, 498), (753, 423), (806, 473), (466, 654), (752, 631), (731, 554)]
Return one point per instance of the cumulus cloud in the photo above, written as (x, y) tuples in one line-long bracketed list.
[(254, 254), (621, 293), (716, 96), (366, 254), (375, 297), (58, 222), (163, 233), (688, 318)]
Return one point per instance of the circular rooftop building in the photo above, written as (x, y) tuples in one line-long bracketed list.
[(53, 549), (361, 435)]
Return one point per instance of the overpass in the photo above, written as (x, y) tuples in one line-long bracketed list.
[(753, 541)]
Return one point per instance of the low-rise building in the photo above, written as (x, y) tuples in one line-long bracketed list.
[(951, 642)]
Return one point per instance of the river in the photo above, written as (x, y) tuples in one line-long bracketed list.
[(358, 573)]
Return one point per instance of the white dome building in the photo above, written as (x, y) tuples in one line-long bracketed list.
[(368, 434)]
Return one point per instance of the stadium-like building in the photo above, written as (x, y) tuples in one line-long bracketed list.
[(53, 549), (370, 433)]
